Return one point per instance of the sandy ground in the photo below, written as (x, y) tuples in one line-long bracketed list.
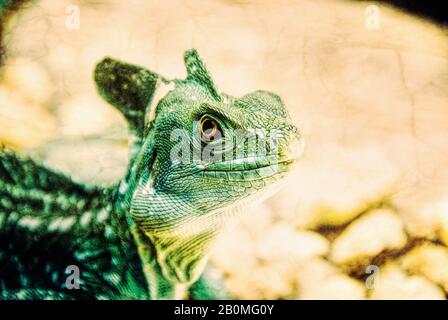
[(366, 214)]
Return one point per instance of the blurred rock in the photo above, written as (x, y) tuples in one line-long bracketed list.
[(86, 115), (318, 279), (254, 220), (429, 260), (368, 236), (268, 281), (256, 235), (28, 79), (265, 252), (282, 243), (87, 160), (23, 124), (371, 105), (443, 230), (425, 212), (336, 188), (395, 284), (234, 247)]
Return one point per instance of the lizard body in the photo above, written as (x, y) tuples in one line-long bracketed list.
[(196, 157)]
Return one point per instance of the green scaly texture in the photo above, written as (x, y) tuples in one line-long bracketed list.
[(149, 236)]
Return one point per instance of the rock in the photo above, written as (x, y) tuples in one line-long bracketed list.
[(261, 258), (368, 236), (318, 279), (443, 227), (283, 243), (394, 284), (23, 124), (256, 235), (429, 260), (371, 105), (425, 212), (89, 161), (234, 248), (255, 220), (86, 115), (29, 80), (268, 281), (333, 197)]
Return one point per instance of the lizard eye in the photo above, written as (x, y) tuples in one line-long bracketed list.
[(209, 129)]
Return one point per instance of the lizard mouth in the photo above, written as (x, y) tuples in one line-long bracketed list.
[(247, 169)]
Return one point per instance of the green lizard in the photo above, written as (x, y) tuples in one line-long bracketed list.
[(196, 157)]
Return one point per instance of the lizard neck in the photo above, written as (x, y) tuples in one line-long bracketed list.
[(171, 257), (159, 287)]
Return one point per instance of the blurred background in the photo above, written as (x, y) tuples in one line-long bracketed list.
[(366, 214)]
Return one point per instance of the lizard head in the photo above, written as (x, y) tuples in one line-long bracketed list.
[(198, 156)]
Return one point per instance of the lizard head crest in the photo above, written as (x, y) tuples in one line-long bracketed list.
[(197, 72)]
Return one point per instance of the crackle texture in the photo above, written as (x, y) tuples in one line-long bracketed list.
[(372, 186)]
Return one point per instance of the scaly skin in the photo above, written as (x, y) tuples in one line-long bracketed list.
[(196, 157)]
